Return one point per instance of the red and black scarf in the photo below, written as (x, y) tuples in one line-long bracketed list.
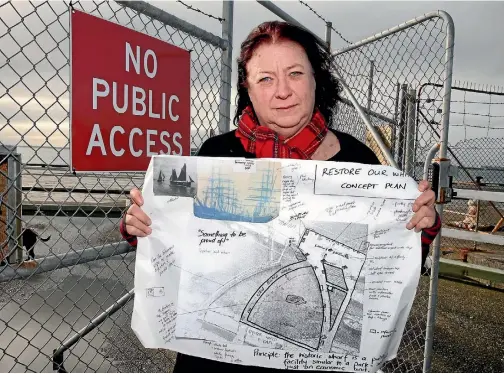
[(265, 143)]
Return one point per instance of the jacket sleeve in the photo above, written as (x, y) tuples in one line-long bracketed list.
[(429, 234), (131, 239), (427, 238)]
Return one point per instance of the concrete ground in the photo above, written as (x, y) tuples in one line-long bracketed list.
[(38, 314)]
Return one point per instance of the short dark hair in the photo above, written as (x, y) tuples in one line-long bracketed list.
[(327, 86)]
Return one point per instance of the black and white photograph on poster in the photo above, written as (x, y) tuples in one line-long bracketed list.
[(174, 176)]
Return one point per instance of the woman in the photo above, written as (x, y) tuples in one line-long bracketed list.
[(287, 96)]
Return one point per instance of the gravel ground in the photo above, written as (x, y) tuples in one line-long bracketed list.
[(38, 314), (469, 335)]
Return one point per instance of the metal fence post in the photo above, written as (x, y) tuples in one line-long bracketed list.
[(403, 112), (409, 162), (328, 34), (393, 133), (370, 86), (443, 150), (226, 61)]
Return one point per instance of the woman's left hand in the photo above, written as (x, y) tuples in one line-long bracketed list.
[(425, 213)]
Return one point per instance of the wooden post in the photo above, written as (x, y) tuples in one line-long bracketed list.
[(10, 205), (498, 225), (4, 238)]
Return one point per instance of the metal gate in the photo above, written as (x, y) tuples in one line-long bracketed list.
[(385, 72)]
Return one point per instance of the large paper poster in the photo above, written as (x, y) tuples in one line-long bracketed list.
[(303, 265)]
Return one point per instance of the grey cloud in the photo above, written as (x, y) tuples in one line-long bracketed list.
[(478, 57)]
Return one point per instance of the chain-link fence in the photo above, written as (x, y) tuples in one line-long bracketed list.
[(81, 269), (385, 72), (476, 148)]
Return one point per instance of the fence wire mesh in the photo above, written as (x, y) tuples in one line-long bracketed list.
[(476, 148), (385, 73), (83, 267), (78, 214)]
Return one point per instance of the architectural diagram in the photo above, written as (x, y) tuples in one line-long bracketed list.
[(303, 293)]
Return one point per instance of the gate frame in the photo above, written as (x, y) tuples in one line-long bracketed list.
[(441, 146)]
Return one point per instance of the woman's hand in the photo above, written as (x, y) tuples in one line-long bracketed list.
[(136, 221), (425, 213)]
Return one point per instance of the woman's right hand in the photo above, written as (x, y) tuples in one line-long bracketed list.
[(136, 221)]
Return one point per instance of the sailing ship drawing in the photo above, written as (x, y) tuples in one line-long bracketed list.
[(182, 180), (222, 200), (178, 183), (161, 176)]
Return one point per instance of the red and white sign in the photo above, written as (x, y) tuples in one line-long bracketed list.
[(130, 97)]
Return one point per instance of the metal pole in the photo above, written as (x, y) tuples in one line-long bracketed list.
[(393, 141), (328, 33), (226, 68), (402, 125), (111, 310), (175, 22), (410, 134), (370, 86), (428, 160), (478, 206), (71, 258), (445, 122), (431, 312)]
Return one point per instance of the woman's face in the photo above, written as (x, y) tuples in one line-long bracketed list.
[(281, 86)]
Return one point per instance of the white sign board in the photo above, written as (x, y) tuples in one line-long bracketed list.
[(303, 265)]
